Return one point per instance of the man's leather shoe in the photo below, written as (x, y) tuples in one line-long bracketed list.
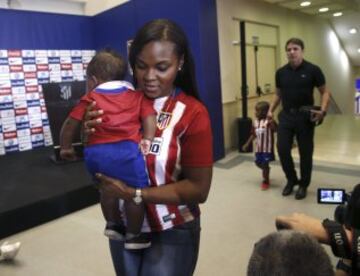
[(301, 193), (288, 189)]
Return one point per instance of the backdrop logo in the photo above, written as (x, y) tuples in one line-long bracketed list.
[(65, 92)]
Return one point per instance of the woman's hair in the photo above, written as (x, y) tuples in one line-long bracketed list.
[(263, 107), (107, 65), (166, 30)]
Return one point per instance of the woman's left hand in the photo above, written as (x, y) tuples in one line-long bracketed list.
[(115, 187)]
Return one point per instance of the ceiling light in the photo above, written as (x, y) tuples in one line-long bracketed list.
[(358, 50), (305, 3), (353, 31), (324, 9), (336, 14)]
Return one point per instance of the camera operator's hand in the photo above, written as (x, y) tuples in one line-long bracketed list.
[(310, 225), (302, 222)]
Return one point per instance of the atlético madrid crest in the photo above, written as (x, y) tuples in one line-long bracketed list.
[(163, 120)]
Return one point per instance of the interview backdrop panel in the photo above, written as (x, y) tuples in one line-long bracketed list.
[(39, 34)]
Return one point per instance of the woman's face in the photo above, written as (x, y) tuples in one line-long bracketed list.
[(156, 68)]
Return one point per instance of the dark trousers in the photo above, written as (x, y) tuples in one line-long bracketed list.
[(296, 124)]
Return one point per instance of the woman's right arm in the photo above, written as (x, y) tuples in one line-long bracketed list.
[(193, 189), (196, 171)]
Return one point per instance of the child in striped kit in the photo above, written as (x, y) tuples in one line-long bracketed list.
[(263, 134)]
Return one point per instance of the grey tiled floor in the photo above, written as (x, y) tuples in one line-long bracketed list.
[(235, 216)]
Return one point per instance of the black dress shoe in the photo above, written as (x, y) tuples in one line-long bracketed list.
[(288, 189), (301, 193)]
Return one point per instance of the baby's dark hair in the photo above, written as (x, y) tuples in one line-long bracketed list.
[(107, 65), (263, 107)]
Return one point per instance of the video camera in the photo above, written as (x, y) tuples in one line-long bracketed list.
[(348, 211), (335, 196)]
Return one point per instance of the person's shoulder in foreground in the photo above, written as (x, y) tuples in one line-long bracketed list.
[(289, 252)]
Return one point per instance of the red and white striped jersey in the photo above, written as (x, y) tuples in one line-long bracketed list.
[(183, 139), (264, 141)]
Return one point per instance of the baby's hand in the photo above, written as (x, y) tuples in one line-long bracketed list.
[(68, 154), (145, 145), (244, 147)]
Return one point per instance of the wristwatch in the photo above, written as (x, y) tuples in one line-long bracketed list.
[(138, 197)]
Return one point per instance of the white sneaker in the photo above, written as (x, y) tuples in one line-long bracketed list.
[(8, 250)]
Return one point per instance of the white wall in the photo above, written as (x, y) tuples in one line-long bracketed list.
[(93, 7), (321, 48), (357, 72), (77, 7), (56, 6)]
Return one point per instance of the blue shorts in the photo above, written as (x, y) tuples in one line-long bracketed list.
[(121, 160), (263, 158)]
